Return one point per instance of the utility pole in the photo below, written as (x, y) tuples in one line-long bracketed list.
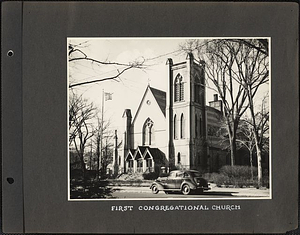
[(116, 163), (104, 162), (101, 133), (91, 156)]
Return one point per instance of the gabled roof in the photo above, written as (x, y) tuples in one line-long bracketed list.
[(157, 154), (142, 148), (138, 151), (160, 97), (130, 153)]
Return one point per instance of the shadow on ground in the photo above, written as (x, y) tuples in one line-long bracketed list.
[(206, 193), (90, 190), (219, 193)]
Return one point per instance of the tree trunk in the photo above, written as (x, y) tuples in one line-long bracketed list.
[(98, 164), (232, 140), (232, 150), (256, 139), (259, 167), (258, 154), (82, 166), (251, 165), (98, 161), (97, 156)]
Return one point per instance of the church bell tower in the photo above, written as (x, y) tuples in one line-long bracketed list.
[(185, 112)]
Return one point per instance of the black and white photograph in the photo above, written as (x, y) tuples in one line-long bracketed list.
[(150, 117), (169, 118)]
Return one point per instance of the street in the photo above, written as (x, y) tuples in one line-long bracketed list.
[(215, 192)]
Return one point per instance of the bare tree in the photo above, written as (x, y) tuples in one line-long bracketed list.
[(260, 45), (246, 139), (260, 127), (221, 58), (235, 69), (102, 145), (108, 151), (97, 143), (263, 127), (81, 111), (76, 53)]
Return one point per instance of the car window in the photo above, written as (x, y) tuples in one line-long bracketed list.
[(172, 175), (179, 175), (195, 174)]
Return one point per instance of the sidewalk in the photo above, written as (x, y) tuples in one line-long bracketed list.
[(235, 192), (242, 192)]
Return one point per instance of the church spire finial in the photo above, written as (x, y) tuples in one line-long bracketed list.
[(149, 80), (190, 56)]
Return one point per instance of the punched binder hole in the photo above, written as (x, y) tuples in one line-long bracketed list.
[(10, 53), (10, 180)]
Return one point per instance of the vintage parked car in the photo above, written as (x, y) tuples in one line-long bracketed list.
[(180, 180)]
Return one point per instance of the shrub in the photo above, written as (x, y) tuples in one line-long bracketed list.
[(238, 176), (91, 174), (150, 176), (240, 172), (218, 179), (76, 174), (266, 182)]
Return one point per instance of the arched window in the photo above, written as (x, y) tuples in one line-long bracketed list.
[(178, 158), (196, 126), (181, 91), (200, 126), (148, 132), (146, 135), (175, 127), (178, 88), (182, 127), (197, 90)]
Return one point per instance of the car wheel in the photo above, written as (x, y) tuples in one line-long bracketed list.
[(155, 189), (186, 189)]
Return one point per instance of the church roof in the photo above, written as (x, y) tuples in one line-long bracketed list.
[(142, 148), (160, 97), (157, 155)]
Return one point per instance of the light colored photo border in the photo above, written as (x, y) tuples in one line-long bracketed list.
[(173, 199)]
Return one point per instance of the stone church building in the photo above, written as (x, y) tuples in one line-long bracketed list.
[(173, 129)]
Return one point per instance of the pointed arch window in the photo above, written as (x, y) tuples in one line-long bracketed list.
[(197, 90), (178, 158), (200, 126), (178, 88), (196, 126), (175, 127), (148, 132), (182, 127)]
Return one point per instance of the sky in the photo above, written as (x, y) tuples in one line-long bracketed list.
[(127, 91)]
